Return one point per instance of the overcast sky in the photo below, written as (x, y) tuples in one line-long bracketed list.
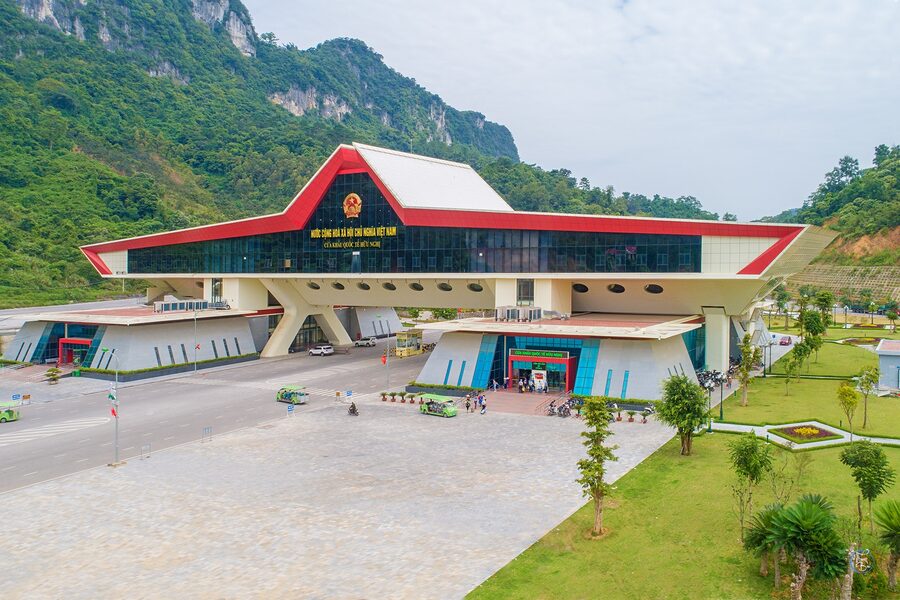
[(745, 105)]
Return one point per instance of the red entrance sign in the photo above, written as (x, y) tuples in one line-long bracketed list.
[(65, 355), (569, 361)]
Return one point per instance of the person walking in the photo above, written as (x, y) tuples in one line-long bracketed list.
[(468, 404), (494, 382), (483, 406)]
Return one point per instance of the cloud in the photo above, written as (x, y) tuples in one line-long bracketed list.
[(743, 104)]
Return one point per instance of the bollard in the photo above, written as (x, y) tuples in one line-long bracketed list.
[(207, 435), (145, 451)]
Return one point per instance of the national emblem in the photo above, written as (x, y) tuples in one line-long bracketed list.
[(352, 206)]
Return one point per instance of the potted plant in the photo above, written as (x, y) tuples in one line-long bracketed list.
[(393, 396), (618, 414), (53, 375), (644, 416), (631, 414), (384, 396)]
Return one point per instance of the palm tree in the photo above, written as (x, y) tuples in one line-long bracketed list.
[(759, 539), (806, 531), (888, 518)]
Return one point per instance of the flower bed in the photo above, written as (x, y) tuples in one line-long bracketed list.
[(803, 434)]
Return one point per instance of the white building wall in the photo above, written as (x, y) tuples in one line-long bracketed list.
[(28, 335), (116, 261), (375, 322), (648, 363), (135, 345), (730, 254), (455, 347)]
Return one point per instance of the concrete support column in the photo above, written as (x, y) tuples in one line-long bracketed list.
[(505, 293), (245, 294), (718, 326), (296, 310), (553, 294)]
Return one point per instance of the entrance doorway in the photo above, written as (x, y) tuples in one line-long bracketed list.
[(72, 350), (553, 370)]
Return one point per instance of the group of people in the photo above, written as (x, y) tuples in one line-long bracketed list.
[(473, 404), (528, 385)]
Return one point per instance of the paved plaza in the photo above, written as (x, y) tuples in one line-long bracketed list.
[(392, 504)]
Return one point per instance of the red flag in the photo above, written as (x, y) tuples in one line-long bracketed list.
[(112, 410), (197, 346), (384, 359)]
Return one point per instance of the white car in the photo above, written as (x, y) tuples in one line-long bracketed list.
[(366, 341), (321, 350)]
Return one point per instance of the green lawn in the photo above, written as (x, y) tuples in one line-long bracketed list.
[(810, 399), (843, 360), (672, 535), (838, 333)]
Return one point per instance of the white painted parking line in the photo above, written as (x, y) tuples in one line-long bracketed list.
[(36, 433)]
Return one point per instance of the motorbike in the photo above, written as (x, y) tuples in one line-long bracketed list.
[(353, 411)]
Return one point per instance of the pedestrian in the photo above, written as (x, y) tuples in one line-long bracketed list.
[(494, 381), (483, 406), (468, 404)]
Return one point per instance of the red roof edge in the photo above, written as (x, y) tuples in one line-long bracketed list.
[(762, 262)]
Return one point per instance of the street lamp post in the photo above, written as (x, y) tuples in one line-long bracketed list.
[(709, 389), (114, 401), (195, 340), (721, 397)]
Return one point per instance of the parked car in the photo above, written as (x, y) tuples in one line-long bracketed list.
[(785, 341), (321, 350), (366, 341)]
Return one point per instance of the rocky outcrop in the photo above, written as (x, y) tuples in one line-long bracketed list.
[(239, 28), (301, 102), (438, 115), (167, 69)]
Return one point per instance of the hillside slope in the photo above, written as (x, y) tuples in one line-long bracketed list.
[(119, 119)]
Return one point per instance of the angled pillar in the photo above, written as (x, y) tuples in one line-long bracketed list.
[(328, 320), (295, 312)]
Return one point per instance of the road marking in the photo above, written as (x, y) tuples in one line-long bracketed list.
[(148, 433), (8, 468), (218, 416), (171, 437), (30, 474), (84, 440), (126, 449), (163, 422), (107, 444), (82, 460), (36, 433), (59, 455), (184, 425)]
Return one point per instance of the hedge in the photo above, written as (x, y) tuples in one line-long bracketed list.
[(166, 367)]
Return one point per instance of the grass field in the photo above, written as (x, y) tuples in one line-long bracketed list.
[(672, 534), (844, 360), (810, 399), (838, 333)]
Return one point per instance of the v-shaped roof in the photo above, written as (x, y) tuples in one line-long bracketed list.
[(428, 192)]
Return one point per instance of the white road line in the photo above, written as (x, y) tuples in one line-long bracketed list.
[(59, 455), (171, 437), (107, 444), (84, 440), (184, 425), (148, 433), (128, 448), (36, 433), (30, 474), (8, 468), (218, 416), (82, 460)]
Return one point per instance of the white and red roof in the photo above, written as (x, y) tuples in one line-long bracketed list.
[(427, 192)]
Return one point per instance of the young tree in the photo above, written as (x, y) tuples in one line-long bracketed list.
[(750, 357), (782, 297), (868, 383), (813, 323), (888, 518), (849, 400), (806, 531), (824, 301), (871, 470), (593, 468), (801, 352), (815, 343), (892, 316), (751, 461), (791, 371), (788, 472), (683, 406)]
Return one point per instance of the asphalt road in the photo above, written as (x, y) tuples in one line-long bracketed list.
[(76, 432)]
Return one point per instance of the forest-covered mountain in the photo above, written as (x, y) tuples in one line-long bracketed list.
[(119, 118), (863, 204)]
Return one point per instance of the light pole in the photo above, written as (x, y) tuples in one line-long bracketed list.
[(871, 313), (721, 378), (114, 401), (195, 341)]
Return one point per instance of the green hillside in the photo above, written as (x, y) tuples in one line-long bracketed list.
[(119, 119), (863, 204)]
